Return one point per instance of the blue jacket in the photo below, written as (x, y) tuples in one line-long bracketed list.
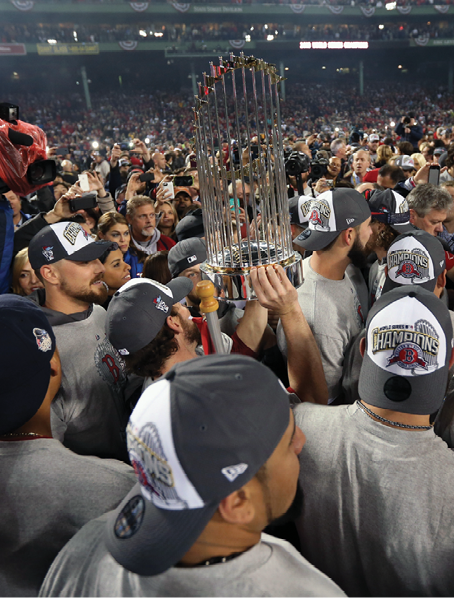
[(413, 137), (6, 245)]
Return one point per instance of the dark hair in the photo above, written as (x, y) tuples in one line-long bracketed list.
[(395, 173), (156, 267), (109, 220), (405, 148), (149, 361), (450, 157), (438, 143), (113, 247)]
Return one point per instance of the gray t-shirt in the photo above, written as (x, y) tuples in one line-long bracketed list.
[(47, 493), (271, 568), (333, 312), (378, 514), (89, 413)]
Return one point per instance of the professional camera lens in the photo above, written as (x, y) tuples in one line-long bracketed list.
[(41, 172), (296, 163)]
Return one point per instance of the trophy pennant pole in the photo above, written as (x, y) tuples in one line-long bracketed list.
[(209, 306)]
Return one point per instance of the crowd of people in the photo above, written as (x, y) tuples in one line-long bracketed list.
[(165, 119), (303, 450), (200, 32)]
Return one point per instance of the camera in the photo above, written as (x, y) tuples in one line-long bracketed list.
[(296, 163), (319, 167), (407, 120), (9, 112), (85, 202)]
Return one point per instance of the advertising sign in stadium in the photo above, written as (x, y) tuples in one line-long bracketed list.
[(334, 45), (12, 50), (67, 49)]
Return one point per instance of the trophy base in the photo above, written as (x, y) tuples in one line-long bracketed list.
[(234, 284)]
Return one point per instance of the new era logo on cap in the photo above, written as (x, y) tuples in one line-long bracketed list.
[(232, 472)]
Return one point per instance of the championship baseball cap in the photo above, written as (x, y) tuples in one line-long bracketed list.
[(139, 309), (414, 259), (199, 433), (27, 344), (190, 226), (408, 348), (64, 241), (374, 137), (296, 207), (329, 214), (391, 208), (405, 162), (185, 254), (439, 151)]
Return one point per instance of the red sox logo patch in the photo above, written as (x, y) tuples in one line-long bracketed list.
[(317, 212), (409, 265), (412, 347)]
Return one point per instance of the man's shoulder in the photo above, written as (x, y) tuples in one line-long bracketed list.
[(83, 554), (307, 413), (287, 573)]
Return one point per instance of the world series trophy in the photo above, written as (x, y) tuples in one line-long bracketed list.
[(239, 147)]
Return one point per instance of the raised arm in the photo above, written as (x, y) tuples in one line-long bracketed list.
[(275, 291)]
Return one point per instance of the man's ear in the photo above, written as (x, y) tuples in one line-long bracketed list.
[(451, 361), (441, 280), (238, 508), (50, 274), (362, 346), (128, 218), (174, 323), (412, 216), (348, 236)]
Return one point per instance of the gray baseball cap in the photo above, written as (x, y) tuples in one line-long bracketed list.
[(196, 435), (138, 311), (185, 254), (405, 162), (190, 226), (64, 241), (414, 259), (408, 348), (391, 208), (329, 214)]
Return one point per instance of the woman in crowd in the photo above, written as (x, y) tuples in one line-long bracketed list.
[(419, 161), (114, 227), (156, 267), (24, 278), (169, 219), (117, 271), (448, 174), (384, 153)]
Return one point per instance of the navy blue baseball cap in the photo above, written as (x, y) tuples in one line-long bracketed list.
[(27, 344)]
